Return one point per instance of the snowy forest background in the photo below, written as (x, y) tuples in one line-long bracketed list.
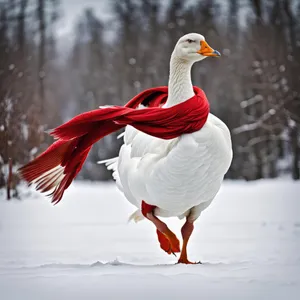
[(254, 87)]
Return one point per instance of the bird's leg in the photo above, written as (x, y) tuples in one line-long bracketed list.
[(186, 232), (167, 239)]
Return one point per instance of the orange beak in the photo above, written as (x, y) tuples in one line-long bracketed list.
[(206, 50)]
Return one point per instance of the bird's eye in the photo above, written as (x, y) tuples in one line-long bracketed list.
[(190, 41)]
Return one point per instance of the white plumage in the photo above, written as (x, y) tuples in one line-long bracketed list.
[(183, 175)]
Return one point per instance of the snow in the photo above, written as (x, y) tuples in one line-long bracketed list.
[(11, 67), (83, 248)]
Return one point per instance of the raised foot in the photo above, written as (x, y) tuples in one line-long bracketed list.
[(187, 262), (168, 242)]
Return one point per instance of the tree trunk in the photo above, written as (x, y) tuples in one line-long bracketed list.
[(42, 53), (9, 179), (21, 26), (294, 136)]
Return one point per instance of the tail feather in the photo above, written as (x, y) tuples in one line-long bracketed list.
[(137, 216), (108, 161), (112, 165)]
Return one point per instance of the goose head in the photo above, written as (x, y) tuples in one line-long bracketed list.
[(189, 49), (192, 47)]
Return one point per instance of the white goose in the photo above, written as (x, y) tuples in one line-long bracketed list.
[(178, 177)]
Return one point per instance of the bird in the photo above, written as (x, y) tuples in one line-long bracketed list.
[(174, 156)]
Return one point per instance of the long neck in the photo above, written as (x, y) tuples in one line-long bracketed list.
[(180, 83)]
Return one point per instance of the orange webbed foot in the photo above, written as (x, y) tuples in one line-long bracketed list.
[(164, 242), (175, 244), (168, 242)]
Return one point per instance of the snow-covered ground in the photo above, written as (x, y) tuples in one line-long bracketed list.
[(248, 241)]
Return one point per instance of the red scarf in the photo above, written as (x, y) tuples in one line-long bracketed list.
[(56, 168)]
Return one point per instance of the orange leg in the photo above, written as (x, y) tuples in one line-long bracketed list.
[(167, 239), (186, 232)]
